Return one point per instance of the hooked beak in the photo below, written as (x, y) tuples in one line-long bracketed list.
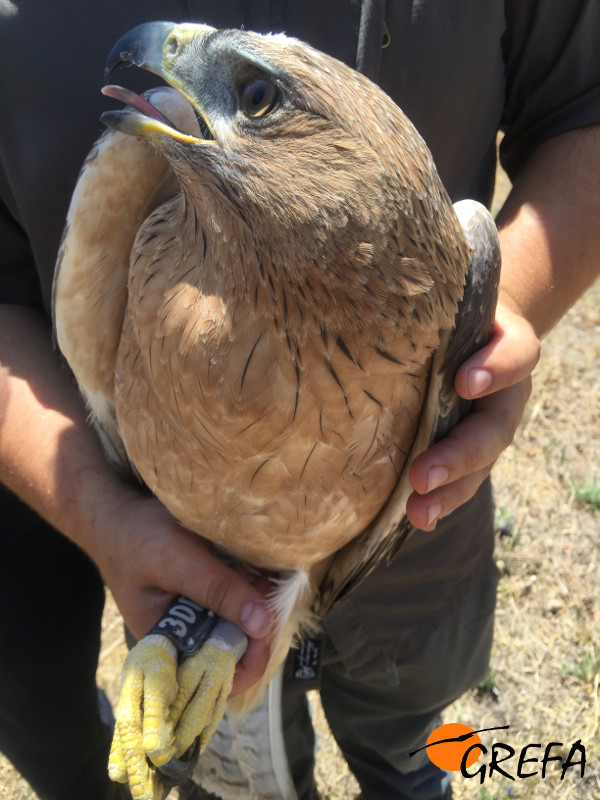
[(156, 47)]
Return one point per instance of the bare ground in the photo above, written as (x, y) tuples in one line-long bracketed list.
[(545, 673)]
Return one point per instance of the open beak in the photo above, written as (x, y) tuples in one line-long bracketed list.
[(156, 47)]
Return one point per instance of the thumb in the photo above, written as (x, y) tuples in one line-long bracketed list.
[(238, 598)]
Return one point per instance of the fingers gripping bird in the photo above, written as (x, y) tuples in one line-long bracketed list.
[(261, 294)]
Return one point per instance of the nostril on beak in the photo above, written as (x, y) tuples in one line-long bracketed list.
[(172, 46)]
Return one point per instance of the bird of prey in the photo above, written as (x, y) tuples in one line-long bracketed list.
[(261, 294)]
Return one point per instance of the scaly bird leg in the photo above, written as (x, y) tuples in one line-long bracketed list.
[(167, 703)]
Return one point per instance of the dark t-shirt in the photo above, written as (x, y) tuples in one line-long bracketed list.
[(460, 69)]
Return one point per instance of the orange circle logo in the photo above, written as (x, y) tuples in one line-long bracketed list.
[(447, 745)]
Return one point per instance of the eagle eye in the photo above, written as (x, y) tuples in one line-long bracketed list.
[(258, 97)]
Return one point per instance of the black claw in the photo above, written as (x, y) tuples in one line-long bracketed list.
[(177, 770)]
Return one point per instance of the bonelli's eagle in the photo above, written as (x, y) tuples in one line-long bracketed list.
[(261, 294)]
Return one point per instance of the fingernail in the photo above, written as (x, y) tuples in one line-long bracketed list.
[(436, 476), (479, 381), (433, 513), (254, 618)]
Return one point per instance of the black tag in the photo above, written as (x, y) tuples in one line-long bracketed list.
[(306, 664), (187, 625)]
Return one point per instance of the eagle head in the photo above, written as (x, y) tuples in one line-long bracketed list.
[(311, 160)]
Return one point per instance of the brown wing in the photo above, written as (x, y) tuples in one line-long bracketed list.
[(121, 182), (443, 408)]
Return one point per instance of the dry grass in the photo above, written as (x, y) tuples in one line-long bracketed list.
[(546, 660)]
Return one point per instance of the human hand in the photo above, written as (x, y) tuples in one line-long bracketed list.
[(498, 380), (148, 560)]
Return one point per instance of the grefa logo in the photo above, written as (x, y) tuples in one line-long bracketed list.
[(457, 748)]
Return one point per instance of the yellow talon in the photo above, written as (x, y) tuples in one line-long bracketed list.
[(142, 719), (205, 681), (164, 707)]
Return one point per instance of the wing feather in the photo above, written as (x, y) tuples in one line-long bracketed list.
[(443, 407), (120, 183)]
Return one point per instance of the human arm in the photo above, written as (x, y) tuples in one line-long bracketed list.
[(50, 457), (550, 242)]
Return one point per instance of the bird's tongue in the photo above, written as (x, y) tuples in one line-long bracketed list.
[(135, 101)]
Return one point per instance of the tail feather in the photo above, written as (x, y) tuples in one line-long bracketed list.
[(291, 605)]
